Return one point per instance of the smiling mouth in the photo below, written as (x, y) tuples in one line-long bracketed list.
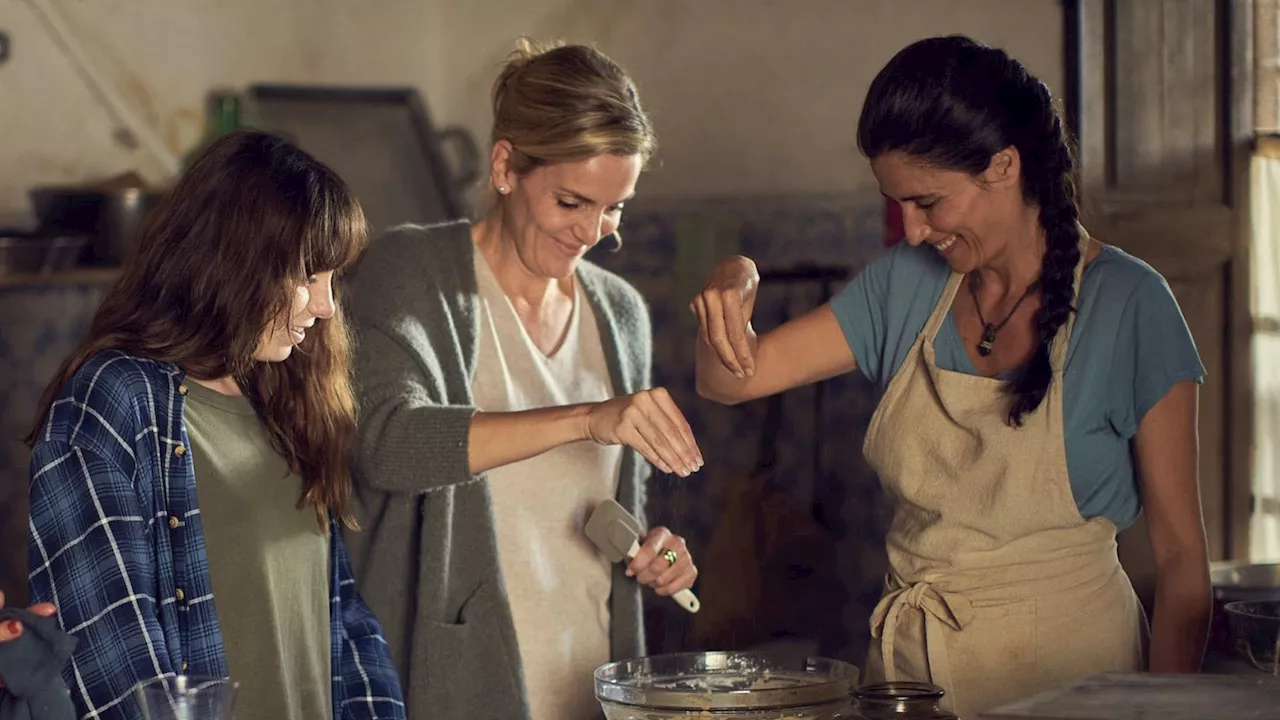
[(945, 245), (569, 248)]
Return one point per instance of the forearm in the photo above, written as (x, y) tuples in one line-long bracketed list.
[(501, 438), (808, 349), (1183, 608)]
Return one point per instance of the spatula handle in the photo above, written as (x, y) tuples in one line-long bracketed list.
[(687, 600)]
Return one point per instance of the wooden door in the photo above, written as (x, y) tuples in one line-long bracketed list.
[(1157, 93)]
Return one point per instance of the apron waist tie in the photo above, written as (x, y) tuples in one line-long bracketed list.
[(939, 608)]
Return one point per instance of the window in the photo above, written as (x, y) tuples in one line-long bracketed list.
[(1265, 261), (1266, 26)]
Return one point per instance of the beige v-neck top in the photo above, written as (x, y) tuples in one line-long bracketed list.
[(557, 580)]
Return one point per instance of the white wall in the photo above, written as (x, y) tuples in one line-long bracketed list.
[(749, 96)]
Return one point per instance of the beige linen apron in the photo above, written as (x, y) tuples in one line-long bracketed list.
[(997, 588)]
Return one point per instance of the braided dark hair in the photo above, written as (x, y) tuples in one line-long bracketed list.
[(955, 103)]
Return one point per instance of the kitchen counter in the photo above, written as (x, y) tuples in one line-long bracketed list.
[(1118, 696)]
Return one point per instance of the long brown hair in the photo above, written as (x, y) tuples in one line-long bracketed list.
[(216, 264)]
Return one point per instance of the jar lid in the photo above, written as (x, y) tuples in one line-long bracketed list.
[(902, 691)]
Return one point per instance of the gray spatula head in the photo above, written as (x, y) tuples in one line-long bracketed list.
[(617, 533), (613, 530)]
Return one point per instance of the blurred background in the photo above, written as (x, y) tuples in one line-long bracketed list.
[(755, 104)]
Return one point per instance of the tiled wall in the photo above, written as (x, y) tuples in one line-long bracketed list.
[(795, 549), (39, 326)]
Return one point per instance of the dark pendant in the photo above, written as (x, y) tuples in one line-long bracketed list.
[(988, 337)]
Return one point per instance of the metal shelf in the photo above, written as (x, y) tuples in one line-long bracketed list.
[(75, 276)]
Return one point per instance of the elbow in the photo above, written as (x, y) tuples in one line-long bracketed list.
[(1190, 563), (402, 449), (707, 392), (1184, 573)]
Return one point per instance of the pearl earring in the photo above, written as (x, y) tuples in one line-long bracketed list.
[(502, 189)]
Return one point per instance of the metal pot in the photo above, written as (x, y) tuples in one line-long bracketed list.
[(112, 216), (1255, 627), (22, 254), (1234, 581)]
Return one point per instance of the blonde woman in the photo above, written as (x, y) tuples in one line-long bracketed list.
[(504, 388)]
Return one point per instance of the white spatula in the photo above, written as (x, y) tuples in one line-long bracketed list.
[(617, 533)]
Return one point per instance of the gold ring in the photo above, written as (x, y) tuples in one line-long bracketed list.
[(670, 556)]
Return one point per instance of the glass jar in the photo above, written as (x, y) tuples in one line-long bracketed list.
[(900, 701)]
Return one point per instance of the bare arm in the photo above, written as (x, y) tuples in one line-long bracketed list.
[(501, 438), (1168, 454), (411, 437), (648, 421), (734, 365)]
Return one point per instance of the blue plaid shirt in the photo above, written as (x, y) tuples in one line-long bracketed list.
[(116, 543)]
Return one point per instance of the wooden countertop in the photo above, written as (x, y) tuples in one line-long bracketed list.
[(1148, 697), (76, 276)]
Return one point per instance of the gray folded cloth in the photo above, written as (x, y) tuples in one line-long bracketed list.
[(31, 666)]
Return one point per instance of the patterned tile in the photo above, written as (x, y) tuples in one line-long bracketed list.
[(790, 544), (39, 326)]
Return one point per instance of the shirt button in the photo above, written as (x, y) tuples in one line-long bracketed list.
[(184, 666), (180, 595), (182, 389), (173, 522), (180, 450)]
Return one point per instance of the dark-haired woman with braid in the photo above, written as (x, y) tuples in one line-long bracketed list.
[(1039, 390)]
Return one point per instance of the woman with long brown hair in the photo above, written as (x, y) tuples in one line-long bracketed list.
[(218, 365)]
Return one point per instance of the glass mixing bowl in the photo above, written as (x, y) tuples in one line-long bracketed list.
[(726, 686)]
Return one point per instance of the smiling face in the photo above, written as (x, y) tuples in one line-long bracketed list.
[(967, 219), (556, 212), (312, 302)]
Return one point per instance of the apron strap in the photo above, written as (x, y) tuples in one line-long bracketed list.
[(943, 307), (1058, 351), (943, 612)]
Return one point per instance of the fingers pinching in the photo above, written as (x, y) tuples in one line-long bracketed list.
[(716, 334), (682, 432), (736, 329), (673, 434)]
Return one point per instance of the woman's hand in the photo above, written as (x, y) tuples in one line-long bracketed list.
[(12, 629), (650, 422), (650, 567), (724, 310)]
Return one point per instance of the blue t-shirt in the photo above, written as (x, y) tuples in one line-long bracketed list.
[(1130, 346)]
